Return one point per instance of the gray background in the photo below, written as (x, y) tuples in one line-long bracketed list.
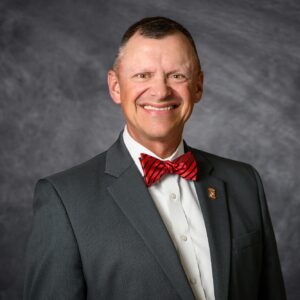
[(55, 110)]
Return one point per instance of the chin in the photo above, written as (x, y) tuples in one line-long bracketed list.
[(161, 135)]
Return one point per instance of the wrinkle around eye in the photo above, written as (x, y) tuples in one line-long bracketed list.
[(178, 77), (142, 76)]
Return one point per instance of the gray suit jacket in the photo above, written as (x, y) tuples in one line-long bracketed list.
[(98, 235)]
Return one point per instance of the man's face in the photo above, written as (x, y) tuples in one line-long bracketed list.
[(157, 83)]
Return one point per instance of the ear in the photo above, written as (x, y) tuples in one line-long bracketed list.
[(114, 86), (199, 87)]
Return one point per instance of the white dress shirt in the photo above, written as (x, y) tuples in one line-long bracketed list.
[(177, 203)]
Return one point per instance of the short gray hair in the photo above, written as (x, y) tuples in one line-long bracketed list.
[(155, 28)]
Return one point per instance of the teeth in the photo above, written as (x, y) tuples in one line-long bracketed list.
[(159, 108)]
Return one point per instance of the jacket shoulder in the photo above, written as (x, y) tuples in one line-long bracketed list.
[(219, 161), (83, 174), (226, 168)]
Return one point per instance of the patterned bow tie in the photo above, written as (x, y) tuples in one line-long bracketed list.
[(185, 166)]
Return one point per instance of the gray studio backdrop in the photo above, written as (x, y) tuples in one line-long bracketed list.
[(55, 110)]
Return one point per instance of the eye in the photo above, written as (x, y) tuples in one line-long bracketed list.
[(142, 76), (178, 77)]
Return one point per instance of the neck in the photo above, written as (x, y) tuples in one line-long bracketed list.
[(161, 147)]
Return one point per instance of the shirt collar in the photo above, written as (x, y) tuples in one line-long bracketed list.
[(135, 149)]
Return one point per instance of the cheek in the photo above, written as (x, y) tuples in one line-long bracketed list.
[(185, 93), (133, 92)]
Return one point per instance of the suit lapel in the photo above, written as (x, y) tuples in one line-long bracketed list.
[(215, 213), (133, 198)]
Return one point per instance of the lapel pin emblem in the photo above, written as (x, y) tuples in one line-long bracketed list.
[(212, 195)]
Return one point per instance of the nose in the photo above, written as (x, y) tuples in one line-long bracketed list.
[(160, 88)]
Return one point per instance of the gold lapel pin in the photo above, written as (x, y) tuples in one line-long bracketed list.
[(212, 195)]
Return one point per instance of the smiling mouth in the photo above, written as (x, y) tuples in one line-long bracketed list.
[(165, 108)]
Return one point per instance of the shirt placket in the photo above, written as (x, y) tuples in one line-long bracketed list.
[(182, 237)]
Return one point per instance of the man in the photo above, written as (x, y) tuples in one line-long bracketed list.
[(153, 218)]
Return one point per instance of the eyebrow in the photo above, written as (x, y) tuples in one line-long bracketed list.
[(184, 69), (186, 72), (179, 71), (134, 72)]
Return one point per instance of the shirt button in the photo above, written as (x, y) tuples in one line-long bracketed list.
[(183, 237), (193, 281), (173, 196)]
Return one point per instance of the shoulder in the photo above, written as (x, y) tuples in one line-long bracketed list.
[(220, 162), (82, 171), (227, 169), (92, 176), (84, 177)]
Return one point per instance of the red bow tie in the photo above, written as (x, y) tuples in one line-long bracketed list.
[(185, 166)]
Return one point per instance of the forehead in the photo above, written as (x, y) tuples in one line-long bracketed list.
[(174, 48)]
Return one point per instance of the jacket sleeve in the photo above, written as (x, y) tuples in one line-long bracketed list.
[(271, 283), (53, 265)]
